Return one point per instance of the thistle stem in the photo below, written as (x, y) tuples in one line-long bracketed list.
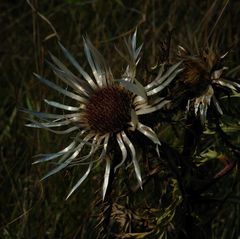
[(105, 230)]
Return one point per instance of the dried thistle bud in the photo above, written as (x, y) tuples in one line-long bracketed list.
[(200, 75)]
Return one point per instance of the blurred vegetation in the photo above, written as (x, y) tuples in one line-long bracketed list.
[(193, 191)]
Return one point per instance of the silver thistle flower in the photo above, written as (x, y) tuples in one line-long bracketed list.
[(200, 75), (105, 108)]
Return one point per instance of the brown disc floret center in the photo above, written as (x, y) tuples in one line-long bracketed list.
[(196, 76), (108, 110)]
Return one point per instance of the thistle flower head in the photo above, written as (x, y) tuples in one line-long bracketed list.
[(200, 76), (105, 108)]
